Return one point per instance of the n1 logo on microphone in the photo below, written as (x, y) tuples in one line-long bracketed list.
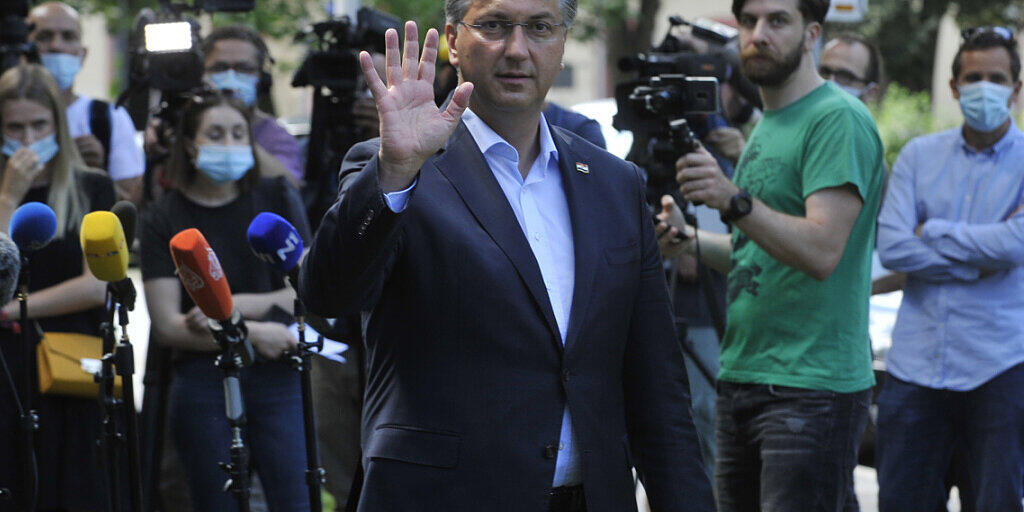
[(292, 243)]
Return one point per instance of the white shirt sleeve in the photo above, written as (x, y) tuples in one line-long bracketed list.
[(126, 159)]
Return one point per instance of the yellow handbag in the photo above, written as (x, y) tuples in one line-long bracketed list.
[(67, 362)]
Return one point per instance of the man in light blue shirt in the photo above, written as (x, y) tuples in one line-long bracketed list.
[(952, 221)]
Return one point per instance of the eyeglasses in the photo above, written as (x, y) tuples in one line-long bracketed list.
[(1004, 33), (842, 76), (498, 30)]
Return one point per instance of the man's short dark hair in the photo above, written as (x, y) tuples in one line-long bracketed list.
[(984, 41), (812, 10), (240, 33), (876, 70)]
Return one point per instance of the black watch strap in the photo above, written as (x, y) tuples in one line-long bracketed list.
[(739, 206)]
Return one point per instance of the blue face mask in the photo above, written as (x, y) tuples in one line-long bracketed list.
[(45, 148), (985, 105), (223, 164), (853, 91), (243, 85), (63, 66)]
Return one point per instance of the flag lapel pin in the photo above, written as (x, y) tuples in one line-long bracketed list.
[(584, 168)]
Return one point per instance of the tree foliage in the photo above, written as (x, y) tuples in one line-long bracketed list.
[(906, 31)]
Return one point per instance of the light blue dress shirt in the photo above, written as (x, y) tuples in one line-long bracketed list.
[(961, 322), (542, 210)]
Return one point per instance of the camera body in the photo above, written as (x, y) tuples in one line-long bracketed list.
[(675, 85), (333, 62), (14, 31)]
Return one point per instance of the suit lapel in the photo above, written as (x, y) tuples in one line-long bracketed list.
[(467, 170), (579, 192)]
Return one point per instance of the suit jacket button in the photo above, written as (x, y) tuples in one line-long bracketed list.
[(565, 375), (550, 451)]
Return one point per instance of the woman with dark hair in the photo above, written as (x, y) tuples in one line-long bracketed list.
[(217, 189), (40, 162)]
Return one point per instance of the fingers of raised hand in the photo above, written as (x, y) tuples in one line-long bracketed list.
[(459, 103), (429, 57), (392, 57), (410, 62), (373, 81)]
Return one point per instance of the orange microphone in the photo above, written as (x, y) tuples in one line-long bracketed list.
[(201, 274), (204, 280)]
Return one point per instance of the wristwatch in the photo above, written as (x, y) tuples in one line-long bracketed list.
[(739, 206)]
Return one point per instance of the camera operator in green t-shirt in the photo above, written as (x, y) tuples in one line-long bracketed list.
[(795, 365)]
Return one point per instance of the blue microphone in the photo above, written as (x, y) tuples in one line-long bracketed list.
[(277, 242), (33, 225)]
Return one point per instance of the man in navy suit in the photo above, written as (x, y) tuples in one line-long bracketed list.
[(520, 346)]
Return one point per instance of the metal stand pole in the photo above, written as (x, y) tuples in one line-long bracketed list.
[(230, 361), (29, 416), (109, 403), (301, 362), (124, 359)]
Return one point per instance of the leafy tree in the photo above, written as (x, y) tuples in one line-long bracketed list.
[(906, 31)]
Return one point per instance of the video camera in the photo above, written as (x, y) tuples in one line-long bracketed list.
[(333, 62), (332, 68), (675, 85), (172, 61), (14, 43)]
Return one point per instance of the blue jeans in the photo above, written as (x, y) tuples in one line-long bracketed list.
[(786, 449), (273, 433), (919, 427), (702, 393)]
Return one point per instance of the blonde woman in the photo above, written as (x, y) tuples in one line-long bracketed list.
[(39, 162)]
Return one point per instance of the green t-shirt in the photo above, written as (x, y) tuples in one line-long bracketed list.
[(785, 327)]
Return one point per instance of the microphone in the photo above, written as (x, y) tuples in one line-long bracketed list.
[(204, 280), (104, 245), (106, 253), (10, 267), (33, 225), (128, 215), (277, 242)]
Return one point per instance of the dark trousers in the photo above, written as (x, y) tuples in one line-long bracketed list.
[(786, 449), (919, 428), (273, 434), (568, 499), (338, 405)]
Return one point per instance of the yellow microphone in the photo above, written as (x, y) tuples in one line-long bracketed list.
[(104, 246)]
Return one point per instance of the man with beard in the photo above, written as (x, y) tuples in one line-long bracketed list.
[(795, 372)]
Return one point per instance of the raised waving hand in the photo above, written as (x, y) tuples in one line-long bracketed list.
[(412, 127)]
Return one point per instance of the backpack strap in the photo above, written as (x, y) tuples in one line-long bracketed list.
[(100, 126)]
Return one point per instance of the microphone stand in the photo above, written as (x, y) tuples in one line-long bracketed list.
[(111, 437), (29, 416), (123, 358), (236, 352), (301, 361)]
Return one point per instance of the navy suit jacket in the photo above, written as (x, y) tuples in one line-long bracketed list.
[(466, 372)]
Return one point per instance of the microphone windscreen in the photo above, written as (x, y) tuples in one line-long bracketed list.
[(32, 226), (201, 274), (128, 215), (275, 241), (104, 246), (10, 267)]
